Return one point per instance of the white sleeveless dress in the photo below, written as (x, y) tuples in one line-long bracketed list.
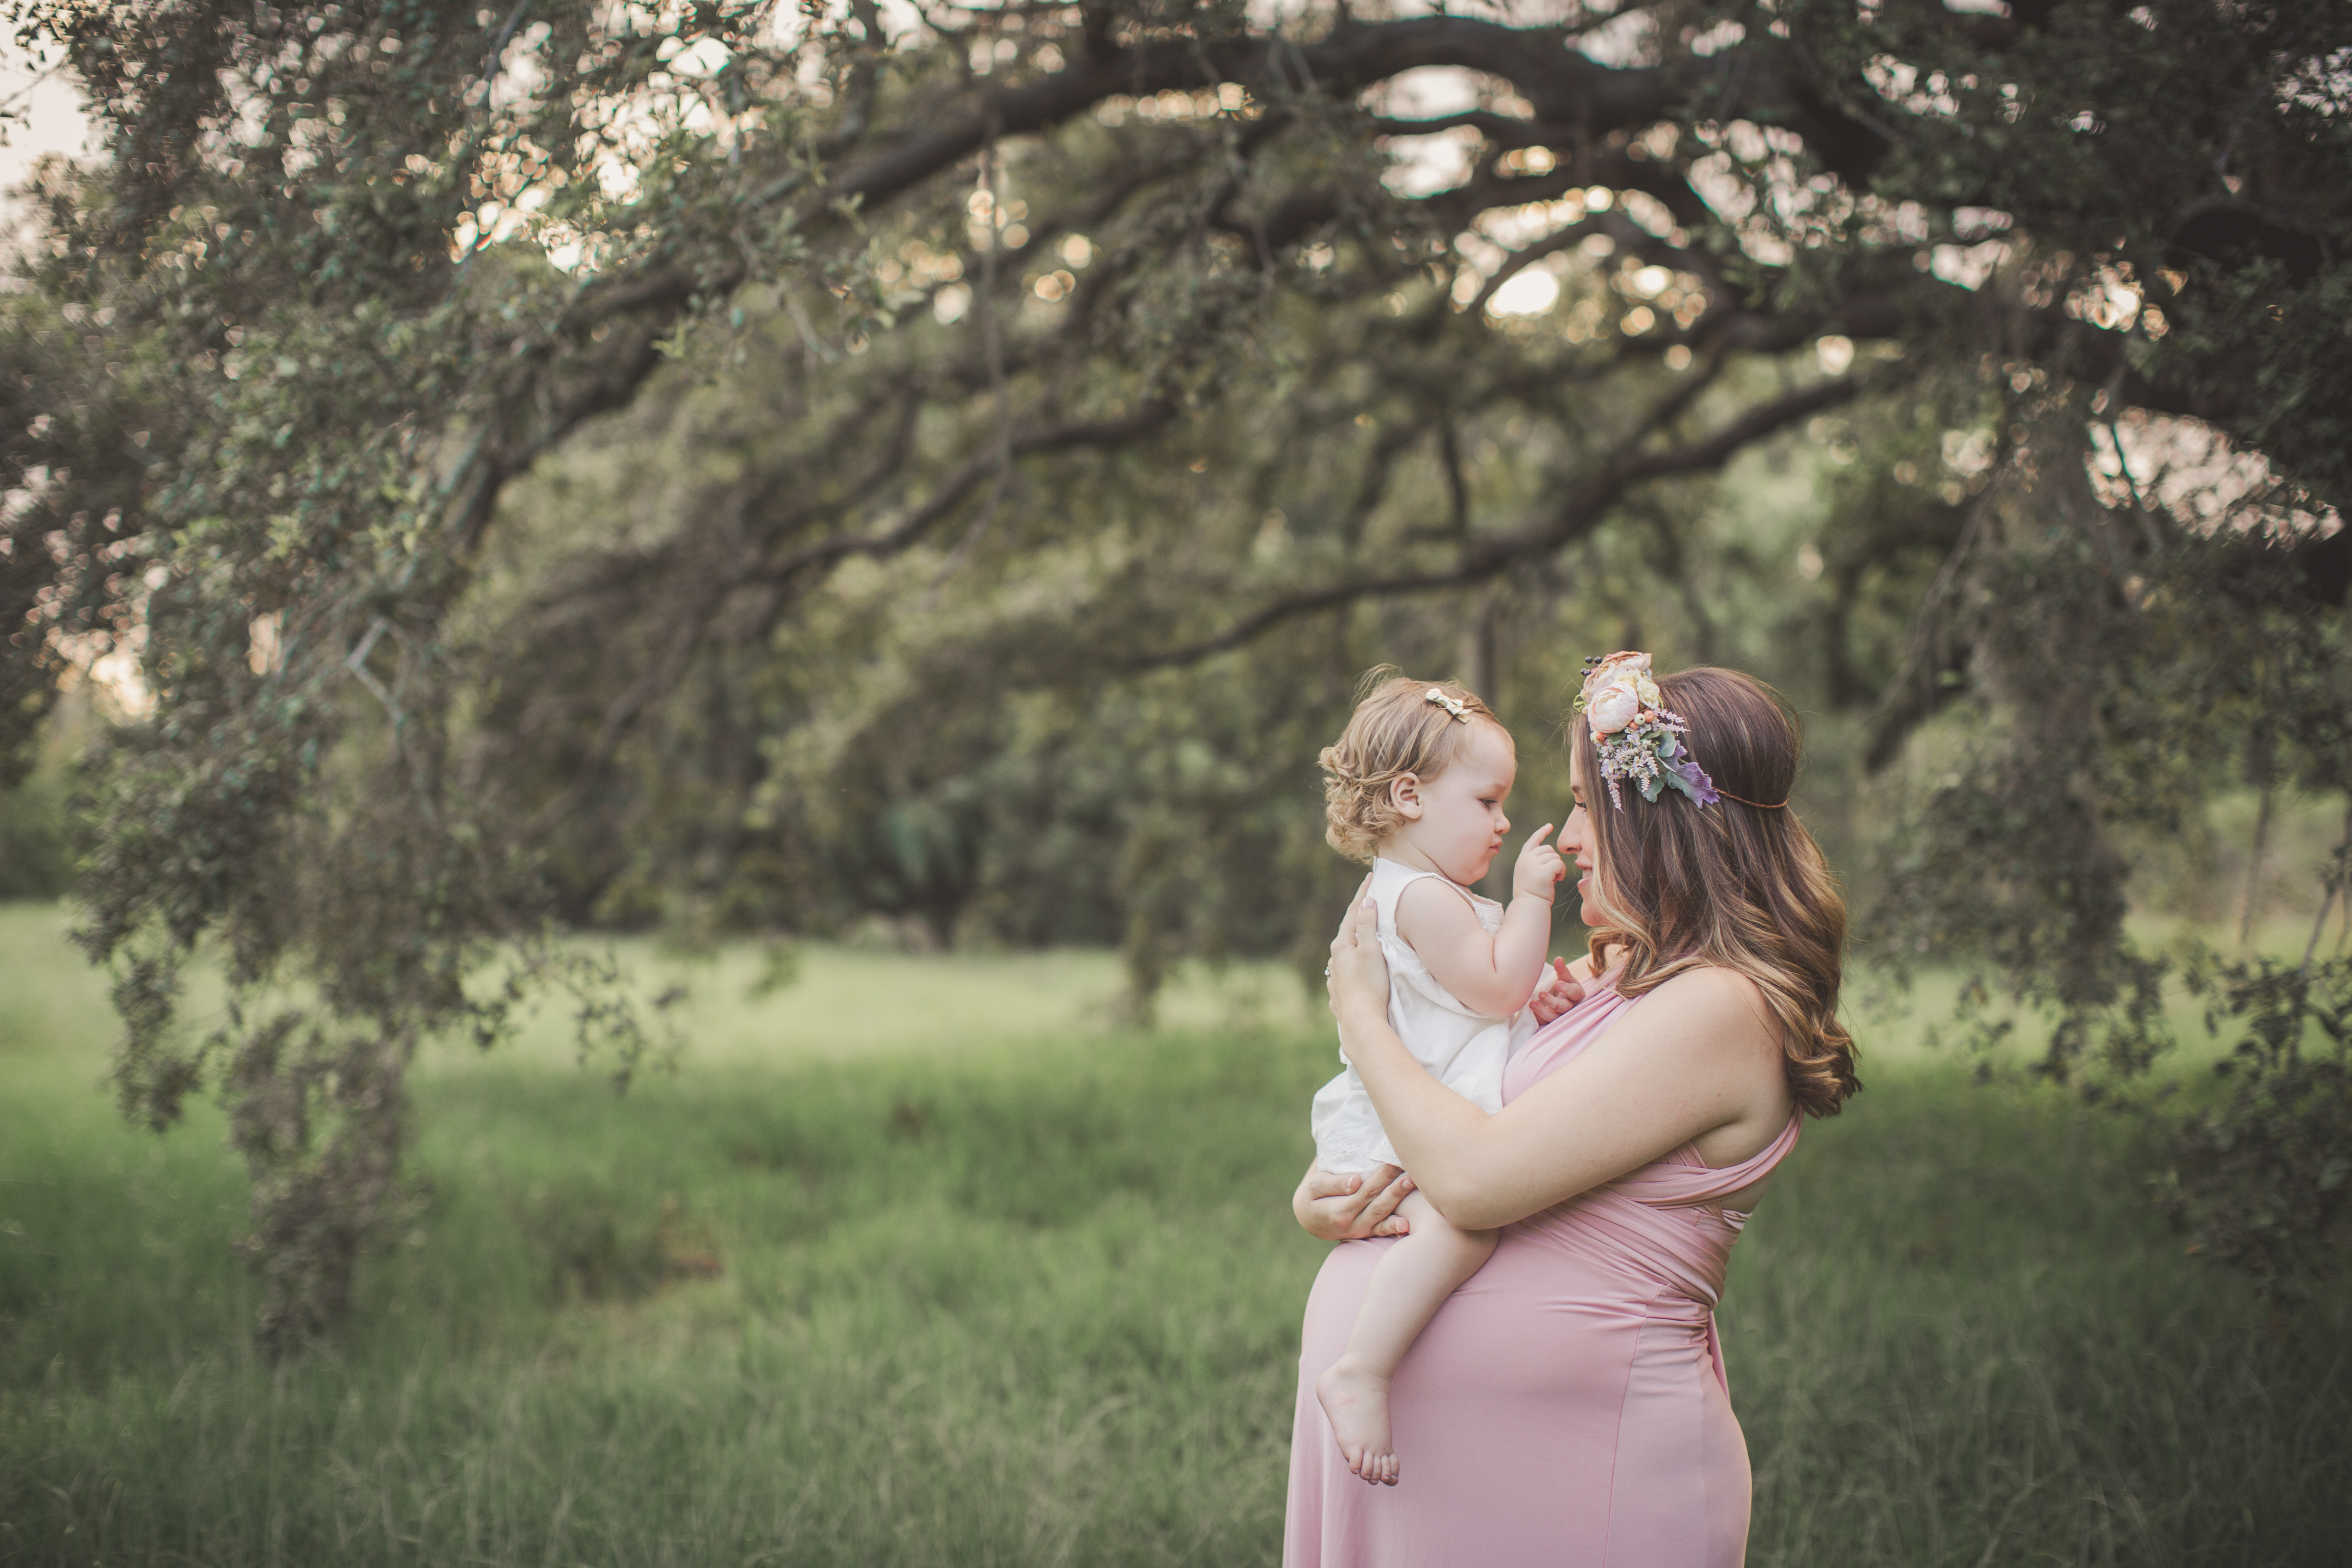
[(1463, 1049)]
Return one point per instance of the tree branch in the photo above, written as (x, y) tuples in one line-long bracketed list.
[(1580, 513)]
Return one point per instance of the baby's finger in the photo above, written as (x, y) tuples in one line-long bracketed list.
[(1538, 837)]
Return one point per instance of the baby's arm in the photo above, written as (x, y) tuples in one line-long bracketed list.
[(1494, 975)]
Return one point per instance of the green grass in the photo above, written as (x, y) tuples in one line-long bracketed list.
[(997, 1283)]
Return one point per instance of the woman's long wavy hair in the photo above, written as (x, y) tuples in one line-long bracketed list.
[(1731, 885)]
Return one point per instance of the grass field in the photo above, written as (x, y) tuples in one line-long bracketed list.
[(920, 1261)]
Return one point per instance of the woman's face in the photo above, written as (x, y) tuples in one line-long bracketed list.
[(1580, 844)]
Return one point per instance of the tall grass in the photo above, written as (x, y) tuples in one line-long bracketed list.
[(922, 1262)]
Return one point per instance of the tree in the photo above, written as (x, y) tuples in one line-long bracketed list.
[(977, 410)]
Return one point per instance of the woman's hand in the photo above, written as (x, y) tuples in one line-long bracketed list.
[(1350, 1208), (1359, 975), (1559, 993)]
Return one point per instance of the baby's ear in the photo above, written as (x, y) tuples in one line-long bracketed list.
[(1404, 793)]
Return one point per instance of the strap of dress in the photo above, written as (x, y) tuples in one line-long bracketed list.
[(1680, 1187), (1387, 897)]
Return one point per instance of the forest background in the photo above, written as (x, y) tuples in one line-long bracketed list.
[(752, 481)]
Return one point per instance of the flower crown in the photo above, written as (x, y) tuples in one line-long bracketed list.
[(1637, 738)]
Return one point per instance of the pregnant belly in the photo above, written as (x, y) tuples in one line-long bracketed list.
[(1536, 1334), (1556, 1410)]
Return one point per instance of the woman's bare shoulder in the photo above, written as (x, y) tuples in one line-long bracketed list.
[(1727, 1003)]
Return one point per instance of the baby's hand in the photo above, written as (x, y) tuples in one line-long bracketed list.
[(1539, 869), (1559, 993)]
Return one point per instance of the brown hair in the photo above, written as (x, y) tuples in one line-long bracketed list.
[(1396, 730), (1731, 885)]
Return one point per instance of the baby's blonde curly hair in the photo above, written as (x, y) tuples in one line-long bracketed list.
[(1396, 730)]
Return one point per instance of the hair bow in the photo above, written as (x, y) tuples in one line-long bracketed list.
[(1451, 704)]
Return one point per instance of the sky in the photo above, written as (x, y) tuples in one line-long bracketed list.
[(44, 116)]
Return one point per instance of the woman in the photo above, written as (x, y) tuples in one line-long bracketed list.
[(1568, 1405)]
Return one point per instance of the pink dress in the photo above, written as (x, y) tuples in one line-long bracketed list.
[(1568, 1405)]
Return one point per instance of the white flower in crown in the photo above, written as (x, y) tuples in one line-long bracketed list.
[(1627, 669), (1625, 658), (1612, 707)]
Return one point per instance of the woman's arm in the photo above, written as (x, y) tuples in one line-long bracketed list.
[(1698, 1054)]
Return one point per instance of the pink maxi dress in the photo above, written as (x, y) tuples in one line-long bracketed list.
[(1568, 1405)]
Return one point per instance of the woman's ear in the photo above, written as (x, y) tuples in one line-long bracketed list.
[(1404, 793)]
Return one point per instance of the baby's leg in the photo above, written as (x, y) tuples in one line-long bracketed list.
[(1409, 1284)]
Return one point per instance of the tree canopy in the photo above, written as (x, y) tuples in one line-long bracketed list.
[(749, 468)]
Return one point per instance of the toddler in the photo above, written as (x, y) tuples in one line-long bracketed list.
[(1416, 787)]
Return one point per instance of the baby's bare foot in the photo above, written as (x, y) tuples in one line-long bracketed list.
[(1356, 1399)]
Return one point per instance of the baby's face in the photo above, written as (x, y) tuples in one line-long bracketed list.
[(1462, 822)]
